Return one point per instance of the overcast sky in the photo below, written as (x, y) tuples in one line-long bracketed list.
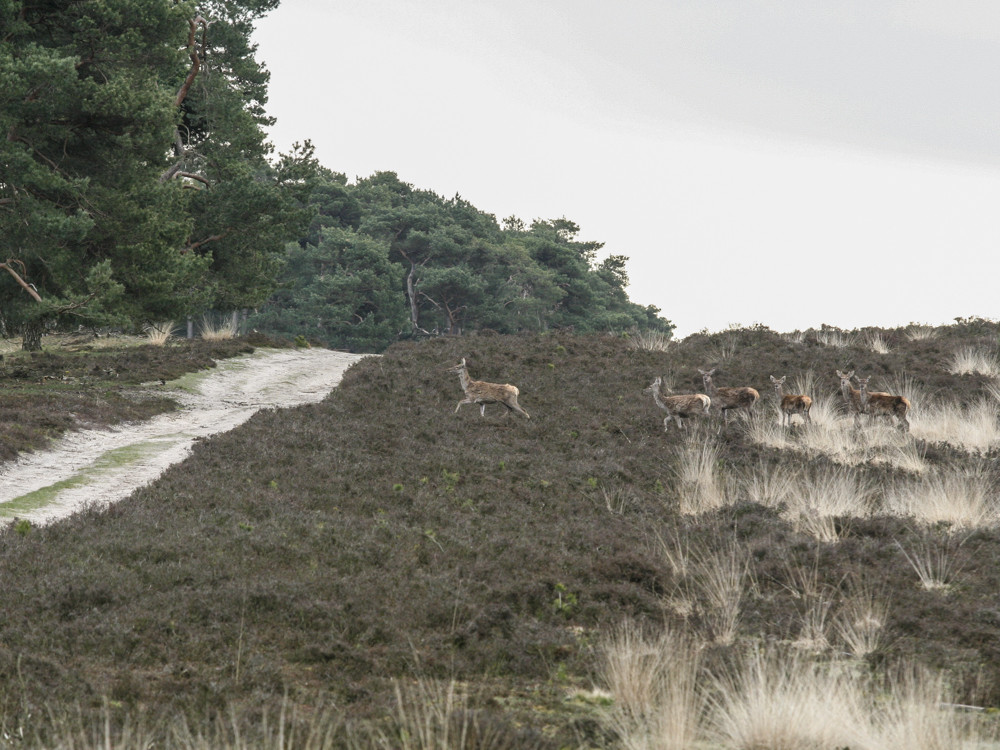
[(785, 162)]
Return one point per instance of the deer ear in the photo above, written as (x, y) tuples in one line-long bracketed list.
[(850, 374), (773, 379)]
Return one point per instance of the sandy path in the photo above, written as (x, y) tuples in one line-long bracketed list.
[(102, 466)]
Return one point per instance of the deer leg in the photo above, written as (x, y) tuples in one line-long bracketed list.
[(482, 409)]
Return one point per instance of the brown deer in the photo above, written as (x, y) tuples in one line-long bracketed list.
[(729, 398), (852, 396), (479, 392), (679, 407), (880, 404), (791, 405)]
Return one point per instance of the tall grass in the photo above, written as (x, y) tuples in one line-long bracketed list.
[(158, 334), (973, 427), (654, 681), (861, 619), (834, 338), (877, 343), (701, 487), (650, 341), (918, 332), (934, 561), (783, 701), (964, 499), (711, 585), (224, 329), (974, 361)]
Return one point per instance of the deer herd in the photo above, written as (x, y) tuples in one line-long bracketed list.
[(681, 407)]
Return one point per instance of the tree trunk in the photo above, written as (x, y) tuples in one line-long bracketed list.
[(31, 336), (411, 292)]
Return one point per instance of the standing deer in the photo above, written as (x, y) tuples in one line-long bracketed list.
[(482, 393), (729, 398), (884, 405), (852, 396), (791, 405), (678, 407)]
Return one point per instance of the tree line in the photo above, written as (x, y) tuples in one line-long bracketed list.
[(383, 260), (137, 186)]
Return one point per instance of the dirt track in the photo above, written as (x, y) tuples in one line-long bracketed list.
[(102, 466)]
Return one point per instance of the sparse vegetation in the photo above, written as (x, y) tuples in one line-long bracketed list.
[(358, 571)]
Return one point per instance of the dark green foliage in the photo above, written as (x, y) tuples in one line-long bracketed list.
[(378, 535), (127, 194), (384, 261)]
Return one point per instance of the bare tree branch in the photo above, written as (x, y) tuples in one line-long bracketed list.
[(17, 277), (199, 243)]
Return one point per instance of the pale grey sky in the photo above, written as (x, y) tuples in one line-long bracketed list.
[(784, 162)]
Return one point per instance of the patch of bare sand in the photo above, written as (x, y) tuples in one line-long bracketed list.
[(103, 466)]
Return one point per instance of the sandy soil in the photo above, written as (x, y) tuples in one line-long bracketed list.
[(103, 466)]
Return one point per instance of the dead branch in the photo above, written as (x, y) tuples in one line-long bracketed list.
[(17, 277), (199, 243)]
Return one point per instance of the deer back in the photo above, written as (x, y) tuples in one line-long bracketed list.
[(483, 391), (688, 405), (737, 396), (792, 404)]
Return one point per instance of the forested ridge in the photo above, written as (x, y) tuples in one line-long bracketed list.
[(137, 186)]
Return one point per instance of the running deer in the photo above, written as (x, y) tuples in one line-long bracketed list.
[(479, 392), (884, 405), (729, 398), (791, 405), (852, 396), (678, 407)]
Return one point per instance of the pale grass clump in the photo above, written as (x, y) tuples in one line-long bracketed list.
[(920, 716), (814, 600), (974, 427), (874, 443), (861, 619), (934, 561), (973, 361), (876, 342), (654, 682), (701, 487), (834, 338), (963, 499), (920, 332), (771, 487), (775, 699), (784, 701), (822, 497), (711, 583), (650, 341), (223, 331), (158, 334), (810, 501)]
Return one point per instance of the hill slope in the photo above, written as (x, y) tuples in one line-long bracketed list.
[(326, 549)]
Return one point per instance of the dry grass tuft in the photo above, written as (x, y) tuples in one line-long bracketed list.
[(918, 332), (654, 681), (876, 342), (650, 341), (834, 338), (962, 498), (862, 618), (221, 331), (158, 334), (973, 361), (701, 488)]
